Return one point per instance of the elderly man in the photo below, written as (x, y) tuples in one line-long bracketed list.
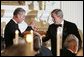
[(12, 26), (70, 46), (65, 29)]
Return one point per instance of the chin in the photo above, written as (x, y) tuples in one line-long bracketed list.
[(19, 22)]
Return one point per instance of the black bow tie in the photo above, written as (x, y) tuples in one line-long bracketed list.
[(58, 25), (17, 25)]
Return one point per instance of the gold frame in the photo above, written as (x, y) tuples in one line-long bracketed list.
[(13, 3)]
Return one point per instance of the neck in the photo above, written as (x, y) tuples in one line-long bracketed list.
[(15, 20)]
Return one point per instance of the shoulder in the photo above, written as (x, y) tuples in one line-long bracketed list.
[(66, 52), (51, 25), (10, 25), (11, 22), (69, 23), (45, 51)]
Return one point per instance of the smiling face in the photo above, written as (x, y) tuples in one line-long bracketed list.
[(20, 17), (57, 16), (56, 19)]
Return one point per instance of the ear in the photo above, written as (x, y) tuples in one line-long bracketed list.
[(16, 16), (74, 48)]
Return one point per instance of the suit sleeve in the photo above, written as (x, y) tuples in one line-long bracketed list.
[(29, 28), (48, 35)]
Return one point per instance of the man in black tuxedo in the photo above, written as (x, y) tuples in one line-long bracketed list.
[(12, 26), (66, 29)]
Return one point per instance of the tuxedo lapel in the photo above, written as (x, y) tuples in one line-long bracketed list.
[(65, 28), (65, 31), (15, 27)]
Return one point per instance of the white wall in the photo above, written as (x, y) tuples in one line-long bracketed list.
[(73, 11)]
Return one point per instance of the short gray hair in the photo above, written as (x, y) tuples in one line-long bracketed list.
[(58, 12), (70, 38), (17, 10)]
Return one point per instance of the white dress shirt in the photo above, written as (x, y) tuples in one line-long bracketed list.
[(61, 33), (59, 38)]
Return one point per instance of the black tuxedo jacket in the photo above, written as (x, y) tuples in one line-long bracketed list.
[(9, 34), (69, 28), (66, 52)]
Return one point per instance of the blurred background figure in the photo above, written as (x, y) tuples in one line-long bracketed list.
[(41, 49), (70, 47), (22, 49)]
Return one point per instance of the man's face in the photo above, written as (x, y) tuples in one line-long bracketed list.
[(56, 18), (73, 46), (21, 16)]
